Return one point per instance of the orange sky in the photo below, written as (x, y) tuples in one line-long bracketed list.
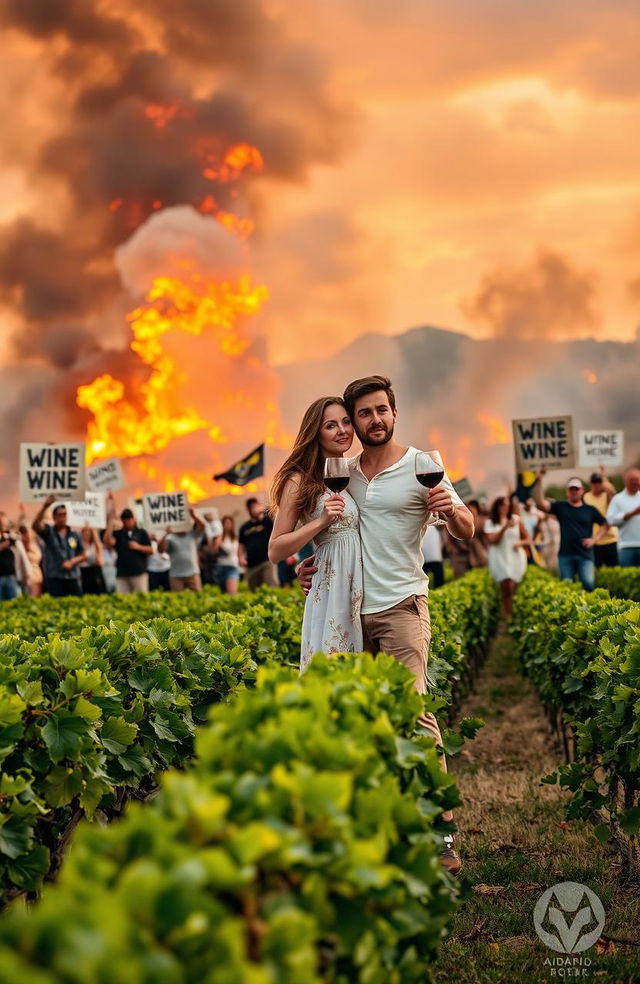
[(483, 132)]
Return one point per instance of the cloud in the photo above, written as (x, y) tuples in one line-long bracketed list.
[(546, 299), (176, 241)]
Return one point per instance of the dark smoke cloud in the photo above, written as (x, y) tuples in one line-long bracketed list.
[(106, 150), (546, 299), (227, 72)]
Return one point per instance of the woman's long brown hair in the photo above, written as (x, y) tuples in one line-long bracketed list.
[(306, 460)]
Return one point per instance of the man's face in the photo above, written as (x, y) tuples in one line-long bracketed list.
[(373, 419), (632, 481), (60, 518), (596, 486), (574, 495), (256, 510), (129, 523)]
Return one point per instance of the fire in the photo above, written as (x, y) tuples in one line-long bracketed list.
[(237, 159), (589, 376), (497, 430), (128, 427)]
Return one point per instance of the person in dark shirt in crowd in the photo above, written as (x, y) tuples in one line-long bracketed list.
[(254, 547), (133, 547), (64, 551), (576, 520), (8, 573)]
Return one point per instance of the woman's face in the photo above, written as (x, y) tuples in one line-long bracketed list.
[(503, 509), (336, 431), (227, 525)]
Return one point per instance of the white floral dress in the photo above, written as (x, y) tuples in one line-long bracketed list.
[(331, 622)]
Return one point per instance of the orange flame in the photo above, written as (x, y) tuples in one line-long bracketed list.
[(589, 376), (126, 428), (497, 430), (236, 160)]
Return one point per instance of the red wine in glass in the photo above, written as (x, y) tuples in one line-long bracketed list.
[(336, 483), (430, 479), (430, 472), (336, 474)]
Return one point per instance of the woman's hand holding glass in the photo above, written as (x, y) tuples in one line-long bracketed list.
[(333, 509)]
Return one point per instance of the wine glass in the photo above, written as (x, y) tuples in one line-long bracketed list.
[(336, 474), (430, 472)]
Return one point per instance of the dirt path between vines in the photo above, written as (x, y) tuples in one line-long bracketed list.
[(515, 843)]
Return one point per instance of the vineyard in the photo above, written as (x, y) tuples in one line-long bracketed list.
[(178, 805)]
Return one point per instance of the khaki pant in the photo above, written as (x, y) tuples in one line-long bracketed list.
[(180, 583), (404, 631), (262, 574), (133, 585)]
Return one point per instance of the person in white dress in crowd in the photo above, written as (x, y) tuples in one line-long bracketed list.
[(305, 510), (507, 537), (228, 558)]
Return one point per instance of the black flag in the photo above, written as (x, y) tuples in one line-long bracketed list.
[(245, 470)]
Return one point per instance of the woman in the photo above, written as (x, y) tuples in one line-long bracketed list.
[(91, 568), (507, 538), (305, 511), (228, 572), (34, 554)]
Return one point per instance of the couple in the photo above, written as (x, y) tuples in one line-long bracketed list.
[(369, 590)]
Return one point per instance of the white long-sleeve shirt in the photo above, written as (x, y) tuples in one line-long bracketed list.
[(622, 503), (393, 517)]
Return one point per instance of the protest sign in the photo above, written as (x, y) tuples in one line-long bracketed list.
[(543, 441), (52, 469), (162, 509), (105, 476), (600, 447), (463, 488), (92, 512)]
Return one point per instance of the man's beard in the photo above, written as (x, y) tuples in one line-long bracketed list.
[(377, 441)]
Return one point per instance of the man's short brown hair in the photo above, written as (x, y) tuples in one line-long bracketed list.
[(369, 384)]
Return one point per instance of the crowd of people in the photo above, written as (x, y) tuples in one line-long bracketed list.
[(572, 537), (47, 555), (590, 528)]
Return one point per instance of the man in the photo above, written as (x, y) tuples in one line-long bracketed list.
[(183, 551), (133, 547), (600, 494), (624, 512), (576, 521), (253, 540), (8, 574), (63, 552), (394, 509)]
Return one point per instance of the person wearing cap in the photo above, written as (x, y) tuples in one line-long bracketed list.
[(64, 551), (605, 552), (624, 512), (133, 547), (576, 521)]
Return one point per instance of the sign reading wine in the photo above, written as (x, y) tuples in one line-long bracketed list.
[(166, 509), (543, 441), (52, 469), (600, 448), (105, 475), (92, 511)]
